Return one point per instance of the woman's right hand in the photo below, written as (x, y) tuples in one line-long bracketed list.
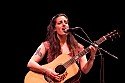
[(52, 74)]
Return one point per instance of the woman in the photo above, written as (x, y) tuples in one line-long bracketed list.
[(59, 42)]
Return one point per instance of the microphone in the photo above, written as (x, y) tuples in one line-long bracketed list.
[(71, 29)]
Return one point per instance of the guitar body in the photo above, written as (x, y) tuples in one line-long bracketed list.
[(72, 70)]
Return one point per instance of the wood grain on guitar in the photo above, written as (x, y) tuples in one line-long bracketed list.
[(71, 70)]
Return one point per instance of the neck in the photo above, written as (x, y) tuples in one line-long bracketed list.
[(62, 38)]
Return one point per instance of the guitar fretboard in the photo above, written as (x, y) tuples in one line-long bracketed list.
[(87, 50), (82, 53)]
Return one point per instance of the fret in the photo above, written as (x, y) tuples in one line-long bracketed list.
[(87, 50)]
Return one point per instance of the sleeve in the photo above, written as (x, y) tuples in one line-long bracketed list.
[(46, 45)]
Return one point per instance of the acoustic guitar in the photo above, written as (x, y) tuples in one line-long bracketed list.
[(65, 65)]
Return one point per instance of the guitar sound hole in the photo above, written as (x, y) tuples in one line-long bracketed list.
[(60, 69)]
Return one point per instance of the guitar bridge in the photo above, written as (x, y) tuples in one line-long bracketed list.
[(63, 76)]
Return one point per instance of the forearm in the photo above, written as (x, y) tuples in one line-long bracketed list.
[(33, 66), (88, 65)]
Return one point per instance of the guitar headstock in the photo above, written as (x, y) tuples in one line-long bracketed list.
[(112, 35)]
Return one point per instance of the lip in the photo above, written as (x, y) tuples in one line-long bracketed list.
[(64, 28)]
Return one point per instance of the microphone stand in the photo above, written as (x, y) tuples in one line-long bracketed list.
[(102, 68), (96, 46), (102, 57)]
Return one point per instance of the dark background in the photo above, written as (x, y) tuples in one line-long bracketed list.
[(25, 29)]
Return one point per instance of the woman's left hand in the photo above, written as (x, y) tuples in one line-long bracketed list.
[(93, 51)]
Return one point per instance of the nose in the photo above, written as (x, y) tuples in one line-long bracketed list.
[(64, 23)]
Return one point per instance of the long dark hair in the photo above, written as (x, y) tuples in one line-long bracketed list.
[(54, 43)]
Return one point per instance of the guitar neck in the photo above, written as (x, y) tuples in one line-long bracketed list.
[(87, 50), (82, 53)]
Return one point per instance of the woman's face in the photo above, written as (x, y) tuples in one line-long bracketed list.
[(61, 25)]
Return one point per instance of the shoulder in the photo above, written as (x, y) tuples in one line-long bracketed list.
[(46, 44), (80, 45)]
